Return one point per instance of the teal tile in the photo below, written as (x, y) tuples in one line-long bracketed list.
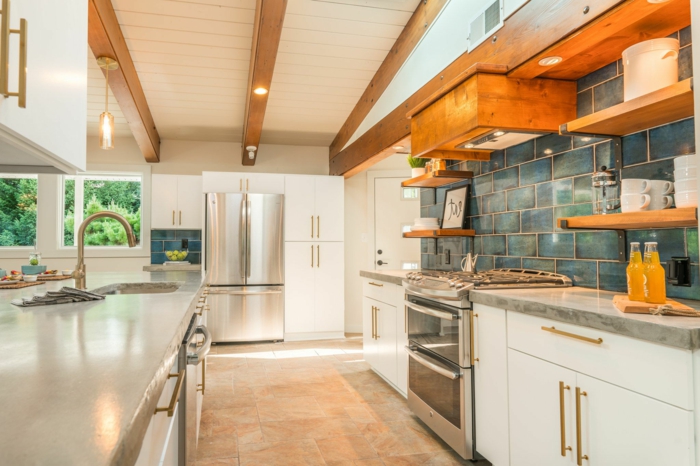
[(604, 155), (612, 276), (156, 246), (635, 148), (608, 94), (687, 292), (582, 189), (427, 197), (522, 245), (473, 166), (507, 262), (188, 234), (494, 245), (453, 244), (482, 185), (483, 225), (583, 141), (576, 162), (552, 144), (194, 258), (158, 258), (477, 245), (475, 206), (498, 161), (536, 172), (537, 220), (506, 223), (671, 140), (521, 153), (555, 245), (576, 210), (685, 36), (671, 242), (172, 245), (584, 103), (600, 75), (195, 246), (505, 179), (522, 198), (581, 273), (545, 265), (596, 245), (484, 263), (691, 235), (659, 170), (495, 202), (162, 234), (555, 193), (685, 63)]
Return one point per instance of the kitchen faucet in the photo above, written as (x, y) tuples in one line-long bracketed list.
[(79, 272)]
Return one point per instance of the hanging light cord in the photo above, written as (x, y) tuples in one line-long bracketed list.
[(107, 88)]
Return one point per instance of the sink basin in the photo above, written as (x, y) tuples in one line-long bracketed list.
[(138, 288)]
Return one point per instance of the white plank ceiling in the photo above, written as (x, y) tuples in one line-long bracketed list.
[(193, 56)]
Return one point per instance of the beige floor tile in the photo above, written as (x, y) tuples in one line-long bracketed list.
[(218, 461), (446, 458), (367, 462), (287, 377), (308, 429), (307, 389), (285, 409), (360, 414), (345, 448), (390, 412), (249, 433), (217, 446), (298, 453), (248, 379), (224, 402), (334, 404), (401, 438), (235, 416)]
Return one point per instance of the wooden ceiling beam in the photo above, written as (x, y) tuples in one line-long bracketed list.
[(536, 26), (106, 40), (413, 32), (269, 19)]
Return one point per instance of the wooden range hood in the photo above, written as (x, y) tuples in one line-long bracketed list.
[(485, 102)]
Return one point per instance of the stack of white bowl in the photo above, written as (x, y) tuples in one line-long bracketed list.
[(686, 176), (423, 224)]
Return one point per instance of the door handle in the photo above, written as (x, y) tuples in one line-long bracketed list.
[(579, 454), (472, 316), (21, 93), (170, 409), (318, 226), (202, 386), (373, 322), (246, 184), (376, 323), (248, 228), (432, 366), (380, 262), (173, 217), (242, 238), (312, 226), (240, 184), (180, 217), (318, 255), (312, 256), (562, 418)]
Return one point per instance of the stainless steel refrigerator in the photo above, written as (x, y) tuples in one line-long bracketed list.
[(244, 260)]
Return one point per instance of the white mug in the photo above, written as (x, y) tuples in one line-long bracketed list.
[(635, 202), (660, 188), (660, 202), (635, 186)]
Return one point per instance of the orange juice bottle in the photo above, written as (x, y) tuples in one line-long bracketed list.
[(654, 275), (635, 274)]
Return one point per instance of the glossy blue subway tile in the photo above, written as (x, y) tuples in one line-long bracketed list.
[(188, 234), (687, 292), (482, 185), (475, 206), (537, 220), (604, 155), (584, 103), (521, 153), (495, 202), (194, 258), (494, 245), (612, 276), (555, 245), (474, 167), (435, 211), (162, 234), (581, 273), (484, 263), (635, 148), (172, 245), (522, 245), (558, 192), (425, 261), (691, 238), (453, 244), (575, 210), (608, 94), (583, 141), (427, 197), (596, 245), (195, 246), (671, 242), (440, 194), (671, 140), (522, 198), (536, 172), (506, 223), (685, 63), (659, 170), (598, 76), (582, 189), (158, 258), (507, 262), (505, 179), (477, 245), (545, 265), (551, 144), (425, 212), (685, 36), (483, 224), (498, 161), (576, 162), (156, 246)]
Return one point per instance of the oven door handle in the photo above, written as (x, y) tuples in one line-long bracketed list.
[(431, 312), (431, 365)]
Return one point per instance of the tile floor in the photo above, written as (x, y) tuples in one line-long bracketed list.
[(308, 403)]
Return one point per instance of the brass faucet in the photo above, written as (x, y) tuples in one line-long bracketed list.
[(79, 272)]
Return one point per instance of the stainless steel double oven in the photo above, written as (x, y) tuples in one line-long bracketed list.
[(440, 376)]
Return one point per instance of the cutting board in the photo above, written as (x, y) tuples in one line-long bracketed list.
[(624, 304), (16, 285), (53, 278)]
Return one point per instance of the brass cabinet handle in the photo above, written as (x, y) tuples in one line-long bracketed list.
[(173, 217), (318, 227), (562, 418), (201, 386), (21, 93), (376, 320), (376, 284), (312, 256), (180, 217), (405, 319), (312, 226), (176, 395), (596, 341), (240, 184), (318, 255), (246, 184), (579, 456), (372, 322), (199, 308), (472, 315)]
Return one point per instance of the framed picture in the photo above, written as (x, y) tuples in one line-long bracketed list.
[(455, 207)]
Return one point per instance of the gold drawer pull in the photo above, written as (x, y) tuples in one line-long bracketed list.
[(579, 456), (202, 386), (595, 341), (562, 418), (21, 93), (375, 284), (176, 395)]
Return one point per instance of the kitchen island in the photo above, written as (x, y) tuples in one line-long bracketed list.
[(80, 382)]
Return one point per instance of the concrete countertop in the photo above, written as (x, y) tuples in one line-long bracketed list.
[(80, 381), (389, 276), (172, 268)]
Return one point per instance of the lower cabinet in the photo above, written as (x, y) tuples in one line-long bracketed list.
[(379, 337)]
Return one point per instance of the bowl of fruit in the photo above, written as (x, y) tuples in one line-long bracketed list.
[(176, 256)]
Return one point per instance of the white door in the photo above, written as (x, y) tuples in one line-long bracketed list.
[(369, 344), (264, 183), (299, 218), (535, 414), (329, 208), (491, 384), (330, 287), (623, 428), (395, 208), (299, 272), (164, 196), (386, 341), (190, 201)]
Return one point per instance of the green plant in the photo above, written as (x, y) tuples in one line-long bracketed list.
[(415, 162)]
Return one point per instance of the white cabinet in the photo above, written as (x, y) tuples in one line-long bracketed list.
[(236, 182), (401, 341), (176, 202), (491, 383), (379, 322), (51, 130), (264, 183), (314, 289), (314, 208)]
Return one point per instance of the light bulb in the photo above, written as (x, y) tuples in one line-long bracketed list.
[(260, 91), (106, 131)]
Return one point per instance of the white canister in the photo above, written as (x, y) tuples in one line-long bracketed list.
[(649, 66)]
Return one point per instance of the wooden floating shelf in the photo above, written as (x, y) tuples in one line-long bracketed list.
[(669, 218), (654, 109), (437, 178), (445, 232)]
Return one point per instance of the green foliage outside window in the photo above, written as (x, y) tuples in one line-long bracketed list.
[(18, 211)]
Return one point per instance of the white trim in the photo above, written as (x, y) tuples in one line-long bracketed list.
[(303, 336), (25, 145)]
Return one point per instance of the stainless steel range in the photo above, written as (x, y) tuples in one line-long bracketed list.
[(440, 376)]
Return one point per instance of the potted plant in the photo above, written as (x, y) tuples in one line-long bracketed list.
[(417, 166)]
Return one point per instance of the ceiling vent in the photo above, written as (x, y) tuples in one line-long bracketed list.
[(488, 21)]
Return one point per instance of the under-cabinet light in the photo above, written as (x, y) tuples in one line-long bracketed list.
[(550, 61), (260, 91)]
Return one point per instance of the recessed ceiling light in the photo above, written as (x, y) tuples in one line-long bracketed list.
[(260, 91), (550, 61), (468, 146), (397, 147), (657, 1), (499, 133)]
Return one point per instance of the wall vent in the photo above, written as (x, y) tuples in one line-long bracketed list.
[(488, 21)]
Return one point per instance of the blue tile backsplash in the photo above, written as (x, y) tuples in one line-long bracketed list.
[(518, 195), (168, 240)]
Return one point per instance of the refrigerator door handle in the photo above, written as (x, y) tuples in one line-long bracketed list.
[(242, 238), (247, 236)]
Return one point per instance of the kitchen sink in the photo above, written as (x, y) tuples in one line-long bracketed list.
[(138, 288)]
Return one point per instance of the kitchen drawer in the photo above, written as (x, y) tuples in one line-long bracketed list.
[(658, 371), (380, 291)]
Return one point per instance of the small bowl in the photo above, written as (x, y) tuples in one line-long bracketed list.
[(33, 269), (169, 255), (685, 174), (686, 199), (685, 161), (66, 273), (29, 278), (686, 186)]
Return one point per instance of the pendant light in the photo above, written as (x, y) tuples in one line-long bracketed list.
[(106, 118)]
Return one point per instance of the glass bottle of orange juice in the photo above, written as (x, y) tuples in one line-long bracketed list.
[(635, 274), (654, 275)]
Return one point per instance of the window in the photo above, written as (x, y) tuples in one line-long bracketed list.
[(84, 195), (18, 194), (409, 194)]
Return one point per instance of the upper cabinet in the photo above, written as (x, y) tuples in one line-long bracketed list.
[(50, 129), (176, 202), (234, 182), (314, 208)]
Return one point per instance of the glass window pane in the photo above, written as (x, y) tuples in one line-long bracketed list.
[(18, 196), (409, 193)]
